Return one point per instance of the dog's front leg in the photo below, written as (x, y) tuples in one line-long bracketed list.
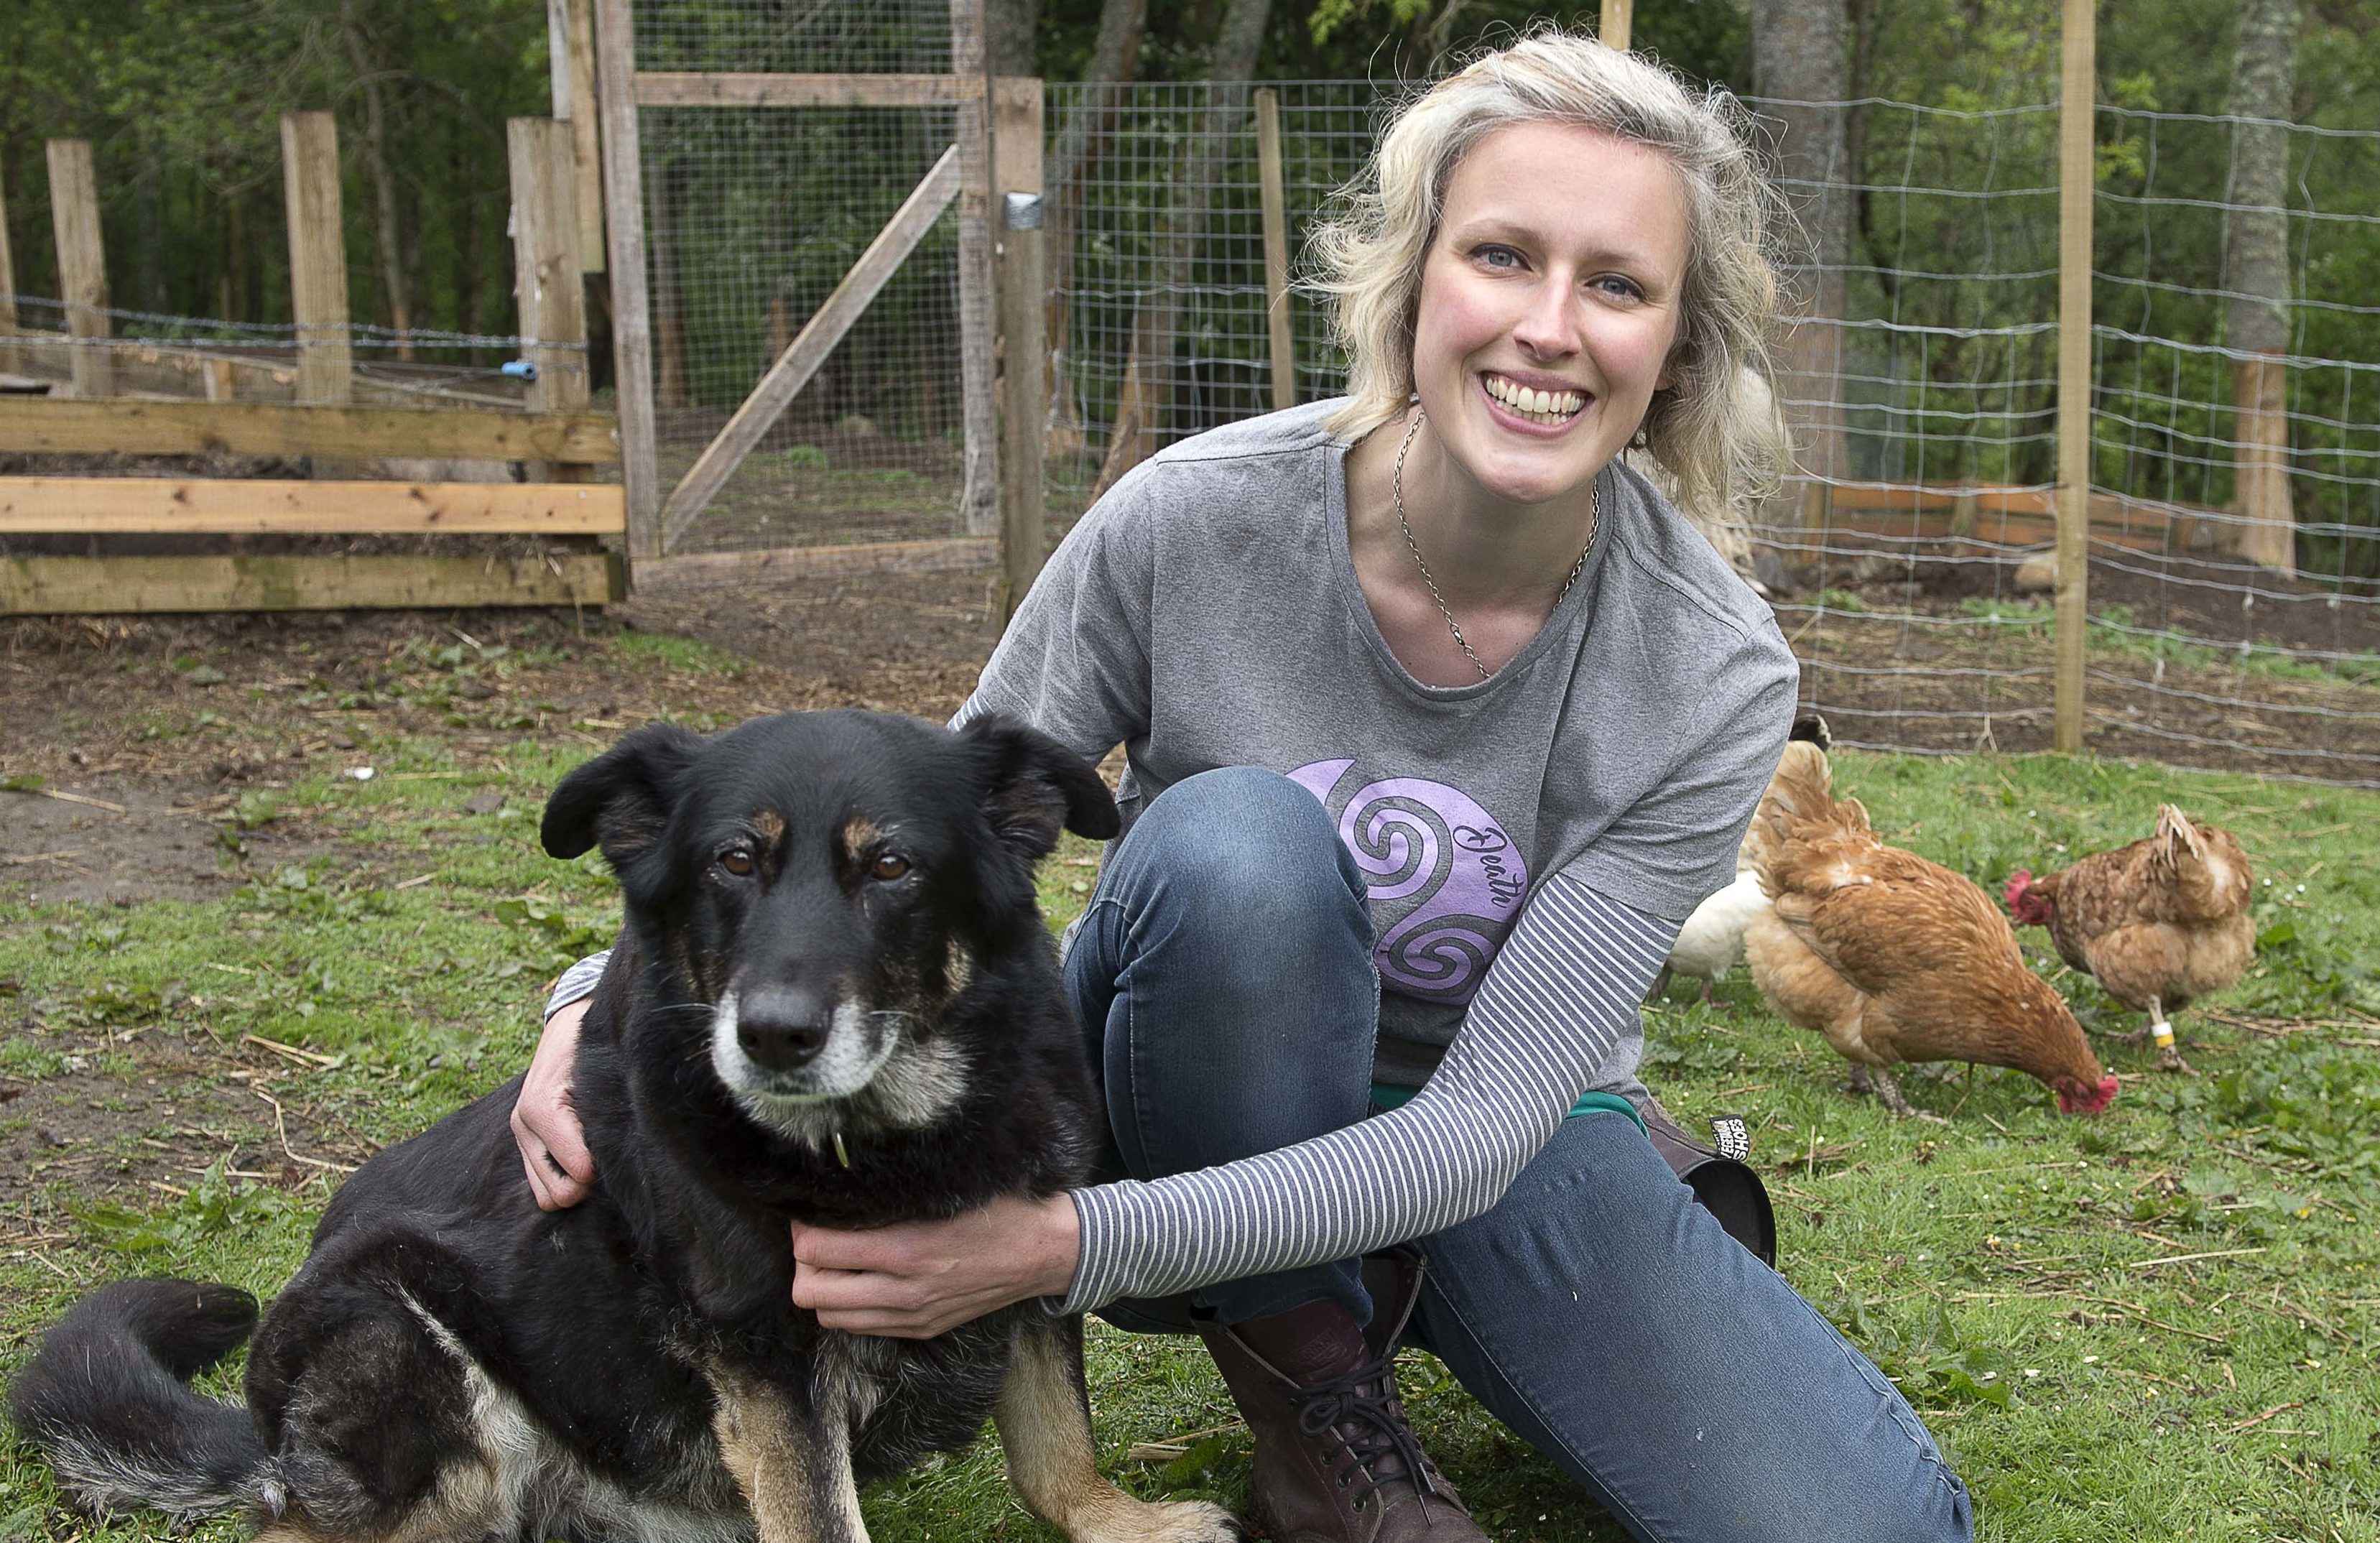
[(791, 1455), (1044, 1416)]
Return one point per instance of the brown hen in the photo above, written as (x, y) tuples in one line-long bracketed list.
[(2160, 923), (1894, 959)]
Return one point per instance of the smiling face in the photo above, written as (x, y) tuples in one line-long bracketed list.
[(1558, 271)]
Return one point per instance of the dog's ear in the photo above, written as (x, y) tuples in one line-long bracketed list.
[(1034, 785), (621, 798)]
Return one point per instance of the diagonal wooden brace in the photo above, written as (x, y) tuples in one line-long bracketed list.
[(802, 358)]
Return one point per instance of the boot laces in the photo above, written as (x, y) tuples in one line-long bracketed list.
[(1360, 1409)]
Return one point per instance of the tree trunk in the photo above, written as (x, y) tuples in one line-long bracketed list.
[(1140, 408), (1799, 62), (2256, 264), (1116, 59), (387, 241)]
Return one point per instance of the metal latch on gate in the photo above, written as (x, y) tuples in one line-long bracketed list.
[(1021, 212)]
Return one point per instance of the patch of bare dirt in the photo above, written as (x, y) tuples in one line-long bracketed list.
[(139, 1116)]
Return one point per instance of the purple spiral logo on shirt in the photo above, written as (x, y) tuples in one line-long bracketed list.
[(1437, 860)]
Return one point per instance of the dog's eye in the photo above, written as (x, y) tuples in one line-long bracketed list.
[(737, 861), (889, 868)]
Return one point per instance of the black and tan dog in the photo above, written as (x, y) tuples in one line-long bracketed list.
[(834, 1000)]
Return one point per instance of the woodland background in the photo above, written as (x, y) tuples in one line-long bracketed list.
[(181, 100)]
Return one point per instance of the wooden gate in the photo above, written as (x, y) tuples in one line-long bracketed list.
[(997, 147)]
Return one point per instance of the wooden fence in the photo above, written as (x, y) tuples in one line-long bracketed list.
[(83, 392)]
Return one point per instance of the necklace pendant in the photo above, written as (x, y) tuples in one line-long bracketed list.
[(841, 1154)]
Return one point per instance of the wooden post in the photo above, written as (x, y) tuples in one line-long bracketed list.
[(1617, 16), (624, 228), (83, 264), (7, 291), (318, 255), (570, 73), (545, 261), (2261, 411), (1276, 248), (979, 489), (1024, 268), (2077, 100)]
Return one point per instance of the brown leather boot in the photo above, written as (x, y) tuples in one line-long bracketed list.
[(1336, 1463)]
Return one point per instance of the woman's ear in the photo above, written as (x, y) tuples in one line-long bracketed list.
[(622, 800), (1033, 786)]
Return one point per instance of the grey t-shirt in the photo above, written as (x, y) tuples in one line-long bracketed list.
[(1207, 613)]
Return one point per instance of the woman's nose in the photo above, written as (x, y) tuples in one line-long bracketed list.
[(1547, 328)]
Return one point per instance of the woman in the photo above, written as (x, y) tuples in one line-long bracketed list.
[(1440, 719)]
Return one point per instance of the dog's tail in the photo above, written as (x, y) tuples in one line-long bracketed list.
[(106, 1399)]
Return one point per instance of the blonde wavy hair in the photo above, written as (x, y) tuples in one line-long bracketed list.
[(1716, 431)]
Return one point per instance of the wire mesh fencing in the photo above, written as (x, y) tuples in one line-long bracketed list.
[(2235, 562), (1156, 257), (151, 354), (1910, 563), (753, 214)]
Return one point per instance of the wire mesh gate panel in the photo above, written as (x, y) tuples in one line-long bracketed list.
[(1916, 585), (1156, 228), (753, 216)]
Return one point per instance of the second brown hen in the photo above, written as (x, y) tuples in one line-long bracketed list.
[(1894, 959), (2160, 923)]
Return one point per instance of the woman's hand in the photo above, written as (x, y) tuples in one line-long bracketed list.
[(553, 1143), (919, 1278)]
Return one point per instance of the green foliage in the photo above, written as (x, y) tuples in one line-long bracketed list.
[(1931, 1364), (166, 1237)]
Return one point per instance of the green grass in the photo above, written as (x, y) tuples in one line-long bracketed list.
[(1999, 1267)]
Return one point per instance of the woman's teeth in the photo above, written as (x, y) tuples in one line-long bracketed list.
[(1543, 406)]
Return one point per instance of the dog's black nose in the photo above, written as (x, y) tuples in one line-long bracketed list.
[(782, 1030)]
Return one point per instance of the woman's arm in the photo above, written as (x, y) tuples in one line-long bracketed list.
[(545, 1127), (1564, 987)]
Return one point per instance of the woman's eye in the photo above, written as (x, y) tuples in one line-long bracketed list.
[(889, 868), (737, 861), (1622, 285), (1499, 257)]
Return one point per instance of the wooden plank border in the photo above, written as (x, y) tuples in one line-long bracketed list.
[(116, 586), (52, 426), (942, 555), (154, 505), (685, 89)]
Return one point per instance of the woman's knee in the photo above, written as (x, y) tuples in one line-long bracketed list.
[(1243, 849)]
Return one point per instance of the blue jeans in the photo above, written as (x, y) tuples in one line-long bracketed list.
[(1223, 971)]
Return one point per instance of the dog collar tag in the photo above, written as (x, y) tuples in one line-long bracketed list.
[(841, 1156)]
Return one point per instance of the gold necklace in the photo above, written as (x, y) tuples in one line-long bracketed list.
[(1397, 494)]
